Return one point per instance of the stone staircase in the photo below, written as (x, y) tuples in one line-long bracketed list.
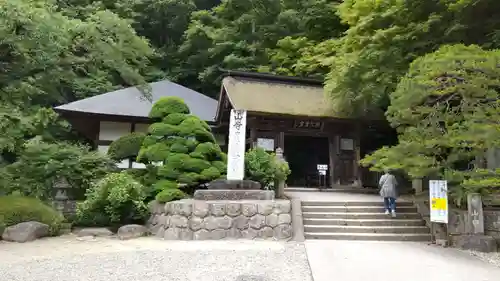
[(362, 221)]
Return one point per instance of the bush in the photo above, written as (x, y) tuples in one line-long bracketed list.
[(126, 147), (42, 164), (116, 199), (168, 195), (184, 144), (15, 209), (264, 167)]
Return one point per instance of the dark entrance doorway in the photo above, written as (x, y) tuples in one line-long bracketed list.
[(303, 153)]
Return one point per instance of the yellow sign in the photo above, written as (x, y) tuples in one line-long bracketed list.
[(439, 204)]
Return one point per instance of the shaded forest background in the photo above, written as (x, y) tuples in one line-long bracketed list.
[(431, 65)]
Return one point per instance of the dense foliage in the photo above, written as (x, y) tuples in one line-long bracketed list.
[(265, 168), (15, 209), (116, 199), (184, 146), (126, 147), (447, 112), (41, 165)]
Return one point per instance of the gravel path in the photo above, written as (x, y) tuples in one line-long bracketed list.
[(69, 259)]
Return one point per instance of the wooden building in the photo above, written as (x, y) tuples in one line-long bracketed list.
[(287, 112), (109, 116), (293, 114)]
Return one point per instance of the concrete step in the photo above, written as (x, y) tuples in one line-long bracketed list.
[(369, 236), (364, 222), (337, 189), (351, 204), (344, 215), (366, 229), (356, 209)]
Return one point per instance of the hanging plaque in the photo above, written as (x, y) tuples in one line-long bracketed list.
[(266, 144), (346, 144)]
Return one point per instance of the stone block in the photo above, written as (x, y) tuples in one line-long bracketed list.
[(218, 209), (272, 220), (284, 219), (204, 194), (156, 207), (249, 209), (163, 220), (240, 222), (265, 208), (218, 234), (224, 222), (282, 207), (159, 232), (283, 231), (233, 209), (257, 221), (234, 184), (481, 243), (131, 231), (233, 233), (196, 223), (201, 209), (249, 233), (202, 234), (175, 233), (178, 221), (266, 232), (210, 223)]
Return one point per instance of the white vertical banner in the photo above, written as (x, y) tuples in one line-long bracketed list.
[(236, 145), (438, 197)]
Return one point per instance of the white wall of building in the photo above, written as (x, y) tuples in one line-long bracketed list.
[(111, 131)]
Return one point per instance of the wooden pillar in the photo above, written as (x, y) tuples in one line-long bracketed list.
[(336, 159), (357, 151), (280, 142), (253, 137), (331, 154)]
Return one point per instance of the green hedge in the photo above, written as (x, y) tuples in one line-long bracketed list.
[(126, 147), (15, 209)]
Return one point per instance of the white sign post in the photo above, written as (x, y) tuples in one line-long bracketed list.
[(236, 145), (322, 168), (438, 201)]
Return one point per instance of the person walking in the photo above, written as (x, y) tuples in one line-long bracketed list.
[(387, 184)]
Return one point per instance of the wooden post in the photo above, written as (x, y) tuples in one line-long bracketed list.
[(331, 154), (253, 137)]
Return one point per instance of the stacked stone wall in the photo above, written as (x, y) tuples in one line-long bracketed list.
[(215, 220)]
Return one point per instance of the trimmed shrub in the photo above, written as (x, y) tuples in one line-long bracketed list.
[(166, 106), (116, 199), (15, 209), (168, 195), (264, 167), (126, 147), (184, 144)]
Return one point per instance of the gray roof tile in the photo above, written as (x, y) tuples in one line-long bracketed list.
[(130, 101)]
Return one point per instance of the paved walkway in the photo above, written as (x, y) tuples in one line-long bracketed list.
[(382, 261)]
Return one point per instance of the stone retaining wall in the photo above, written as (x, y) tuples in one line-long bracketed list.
[(459, 222), (190, 219)]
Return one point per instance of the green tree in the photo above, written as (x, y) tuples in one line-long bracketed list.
[(183, 144), (447, 112), (48, 57), (242, 35)]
